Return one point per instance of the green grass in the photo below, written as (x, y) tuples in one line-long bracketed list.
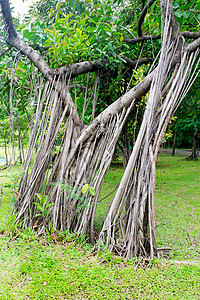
[(33, 267), (110, 183), (177, 206)]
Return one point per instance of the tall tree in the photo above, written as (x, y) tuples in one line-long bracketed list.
[(86, 150)]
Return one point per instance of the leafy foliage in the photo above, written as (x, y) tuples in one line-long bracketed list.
[(43, 205)]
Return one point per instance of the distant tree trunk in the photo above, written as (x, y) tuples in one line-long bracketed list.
[(194, 156), (5, 148), (198, 142), (7, 162), (11, 119), (124, 145), (11, 108), (174, 144), (194, 146), (19, 141)]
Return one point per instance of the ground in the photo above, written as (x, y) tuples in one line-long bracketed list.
[(65, 266)]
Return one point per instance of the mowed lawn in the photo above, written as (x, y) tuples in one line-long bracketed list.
[(177, 202), (33, 267)]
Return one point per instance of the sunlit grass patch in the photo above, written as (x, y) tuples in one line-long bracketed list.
[(34, 267), (177, 198)]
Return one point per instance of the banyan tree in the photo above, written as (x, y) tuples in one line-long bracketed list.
[(85, 151)]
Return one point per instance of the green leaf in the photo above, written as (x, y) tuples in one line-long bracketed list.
[(78, 33), (39, 206), (92, 191), (44, 199), (39, 196), (49, 204), (38, 215), (58, 5), (67, 17), (175, 5), (46, 212), (54, 31), (186, 14), (178, 13), (85, 188), (82, 22)]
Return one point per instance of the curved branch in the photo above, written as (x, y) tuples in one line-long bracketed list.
[(185, 34), (5, 9), (48, 73), (142, 16), (14, 41), (79, 68), (34, 57), (142, 39), (134, 63), (193, 46)]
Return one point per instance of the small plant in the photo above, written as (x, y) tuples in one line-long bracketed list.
[(87, 187), (43, 206)]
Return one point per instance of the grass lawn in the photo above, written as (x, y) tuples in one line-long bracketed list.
[(36, 268), (177, 202)]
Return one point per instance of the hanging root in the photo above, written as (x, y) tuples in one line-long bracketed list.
[(129, 228), (83, 157)]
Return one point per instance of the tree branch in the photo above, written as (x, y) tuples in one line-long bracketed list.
[(142, 16), (185, 34), (193, 46), (79, 68), (190, 34), (134, 63), (5, 9), (48, 73)]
